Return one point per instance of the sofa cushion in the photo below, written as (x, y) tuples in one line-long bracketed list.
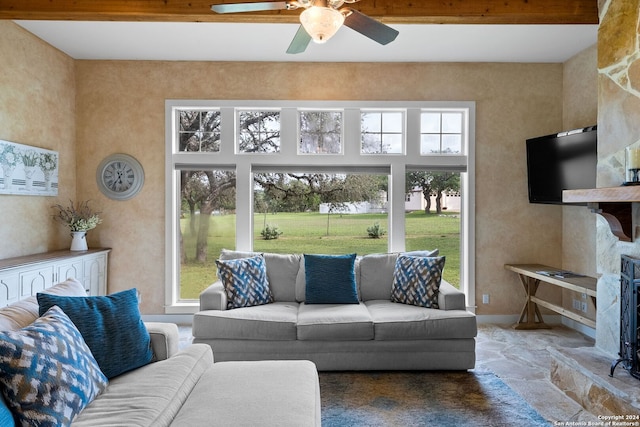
[(416, 280), (277, 393), (282, 270), (276, 321), (245, 282), (22, 313), (330, 279), (393, 321), (111, 326), (152, 395), (47, 371), (376, 273), (334, 322)]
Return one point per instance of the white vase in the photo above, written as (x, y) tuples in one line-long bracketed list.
[(79, 241)]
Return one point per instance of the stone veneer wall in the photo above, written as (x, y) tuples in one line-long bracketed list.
[(618, 127)]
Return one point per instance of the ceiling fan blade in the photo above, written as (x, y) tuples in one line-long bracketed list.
[(300, 41), (369, 27), (249, 7)]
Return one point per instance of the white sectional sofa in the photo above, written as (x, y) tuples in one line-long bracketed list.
[(185, 388), (374, 334)]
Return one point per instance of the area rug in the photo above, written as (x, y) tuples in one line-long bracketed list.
[(438, 399)]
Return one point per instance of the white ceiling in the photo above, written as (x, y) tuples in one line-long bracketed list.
[(178, 41)]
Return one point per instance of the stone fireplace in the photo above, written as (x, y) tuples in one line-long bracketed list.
[(583, 373), (618, 127)]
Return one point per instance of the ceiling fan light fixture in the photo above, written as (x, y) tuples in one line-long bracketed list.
[(321, 22)]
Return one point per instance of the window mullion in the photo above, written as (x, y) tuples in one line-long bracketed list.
[(397, 196), (244, 205), (228, 131), (351, 133), (412, 139)]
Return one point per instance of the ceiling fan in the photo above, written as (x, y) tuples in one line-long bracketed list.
[(320, 20)]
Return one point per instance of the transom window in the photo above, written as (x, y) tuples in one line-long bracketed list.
[(441, 132), (320, 132), (315, 177), (199, 130), (382, 132), (259, 131)]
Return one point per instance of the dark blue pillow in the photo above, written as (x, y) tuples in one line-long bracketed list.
[(330, 279), (110, 325)]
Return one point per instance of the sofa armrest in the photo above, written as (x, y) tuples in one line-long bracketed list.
[(450, 298), (213, 298), (164, 339)]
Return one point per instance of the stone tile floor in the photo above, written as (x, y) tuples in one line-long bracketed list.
[(521, 359)]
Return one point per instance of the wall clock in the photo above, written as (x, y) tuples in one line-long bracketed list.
[(120, 176)]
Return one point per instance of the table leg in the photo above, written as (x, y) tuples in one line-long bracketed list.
[(530, 310)]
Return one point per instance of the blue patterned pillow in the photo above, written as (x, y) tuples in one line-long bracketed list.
[(47, 371), (245, 281), (111, 326), (330, 279), (416, 280)]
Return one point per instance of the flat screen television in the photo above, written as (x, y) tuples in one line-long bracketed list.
[(561, 161)]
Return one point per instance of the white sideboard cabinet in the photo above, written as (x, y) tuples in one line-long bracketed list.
[(24, 276)]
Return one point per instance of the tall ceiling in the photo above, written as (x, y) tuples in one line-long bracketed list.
[(430, 30)]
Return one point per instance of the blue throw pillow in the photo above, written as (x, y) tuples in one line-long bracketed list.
[(111, 326), (416, 280), (330, 279), (47, 371), (245, 281), (6, 417)]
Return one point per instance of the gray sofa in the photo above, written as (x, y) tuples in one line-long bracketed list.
[(185, 388), (375, 334)]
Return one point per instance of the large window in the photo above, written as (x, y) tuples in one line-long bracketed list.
[(315, 177)]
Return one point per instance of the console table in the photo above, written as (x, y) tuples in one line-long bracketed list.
[(23, 276), (530, 277)]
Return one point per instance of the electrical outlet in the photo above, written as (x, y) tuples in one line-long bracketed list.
[(584, 306), (485, 298), (576, 304)]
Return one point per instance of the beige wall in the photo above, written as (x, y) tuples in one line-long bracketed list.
[(580, 109), (37, 107), (120, 108)]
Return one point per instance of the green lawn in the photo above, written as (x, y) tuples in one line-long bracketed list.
[(307, 233)]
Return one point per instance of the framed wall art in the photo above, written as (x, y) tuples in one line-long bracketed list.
[(27, 170)]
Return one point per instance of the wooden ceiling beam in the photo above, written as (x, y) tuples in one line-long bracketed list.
[(389, 11)]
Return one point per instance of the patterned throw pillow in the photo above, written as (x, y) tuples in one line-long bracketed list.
[(245, 281), (47, 371), (110, 325), (330, 279), (416, 280)]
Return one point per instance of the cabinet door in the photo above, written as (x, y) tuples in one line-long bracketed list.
[(95, 275), (70, 270), (9, 285), (36, 280)]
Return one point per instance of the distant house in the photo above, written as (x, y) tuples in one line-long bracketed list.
[(415, 201)]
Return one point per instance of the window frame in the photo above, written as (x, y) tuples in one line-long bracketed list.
[(288, 159)]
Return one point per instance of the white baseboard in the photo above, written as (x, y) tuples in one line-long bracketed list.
[(584, 329), (512, 319), (179, 319)]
